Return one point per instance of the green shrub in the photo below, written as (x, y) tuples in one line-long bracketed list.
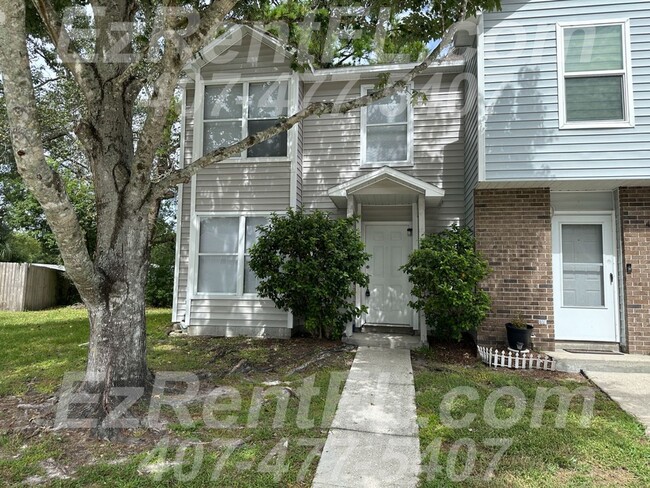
[(308, 264), (445, 273)]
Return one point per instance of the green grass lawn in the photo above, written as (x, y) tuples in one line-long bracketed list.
[(39, 347), (611, 451)]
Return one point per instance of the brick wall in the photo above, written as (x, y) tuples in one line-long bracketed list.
[(635, 220), (513, 231)]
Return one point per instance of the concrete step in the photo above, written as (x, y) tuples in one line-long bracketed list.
[(383, 340), (577, 362), (587, 345), (389, 329)]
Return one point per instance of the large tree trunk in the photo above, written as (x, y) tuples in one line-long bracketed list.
[(116, 359), (116, 354), (117, 346)]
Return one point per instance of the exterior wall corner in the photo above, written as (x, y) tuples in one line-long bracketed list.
[(634, 204), (513, 232)]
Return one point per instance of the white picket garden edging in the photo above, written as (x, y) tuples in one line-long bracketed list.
[(515, 360)]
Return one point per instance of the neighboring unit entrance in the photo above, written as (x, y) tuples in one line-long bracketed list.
[(584, 278), (390, 291)]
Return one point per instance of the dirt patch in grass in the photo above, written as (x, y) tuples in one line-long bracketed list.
[(33, 451), (597, 476), (452, 352), (262, 356)]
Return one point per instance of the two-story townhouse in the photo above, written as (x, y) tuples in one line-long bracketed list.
[(546, 157), (398, 166), (557, 180)]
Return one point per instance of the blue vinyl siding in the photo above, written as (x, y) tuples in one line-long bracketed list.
[(522, 136)]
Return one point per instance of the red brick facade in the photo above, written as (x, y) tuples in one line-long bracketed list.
[(513, 232), (635, 220)]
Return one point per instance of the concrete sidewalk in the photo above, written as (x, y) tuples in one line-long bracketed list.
[(630, 390), (569, 362), (373, 441)]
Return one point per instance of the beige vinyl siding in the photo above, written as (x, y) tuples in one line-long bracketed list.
[(233, 186), (183, 225), (332, 146), (471, 136), (236, 313), (188, 141), (523, 139), (247, 57), (230, 186), (393, 213), (184, 252), (299, 142)]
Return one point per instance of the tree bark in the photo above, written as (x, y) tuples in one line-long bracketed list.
[(116, 355), (117, 344)]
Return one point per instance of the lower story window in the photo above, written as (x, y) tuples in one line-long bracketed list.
[(223, 260)]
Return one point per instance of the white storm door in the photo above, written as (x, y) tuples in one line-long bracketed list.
[(390, 291), (584, 278)]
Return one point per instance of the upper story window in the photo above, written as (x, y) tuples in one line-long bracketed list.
[(232, 112), (595, 78), (386, 131)]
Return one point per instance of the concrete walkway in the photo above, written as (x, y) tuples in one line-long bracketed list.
[(623, 363), (630, 390), (624, 377), (373, 441)]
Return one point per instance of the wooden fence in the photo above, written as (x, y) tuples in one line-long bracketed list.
[(515, 360), (25, 286)]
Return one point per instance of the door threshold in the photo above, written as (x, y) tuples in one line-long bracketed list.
[(588, 351), (400, 329), (588, 346)]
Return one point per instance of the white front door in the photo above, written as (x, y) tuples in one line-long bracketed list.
[(390, 291), (584, 278)]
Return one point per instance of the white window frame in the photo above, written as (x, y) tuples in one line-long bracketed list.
[(409, 134), (626, 73), (241, 252), (292, 103)]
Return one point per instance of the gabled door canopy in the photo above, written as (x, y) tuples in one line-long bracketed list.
[(385, 186)]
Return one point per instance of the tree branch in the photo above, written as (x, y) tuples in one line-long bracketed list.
[(72, 60), (184, 175), (56, 135), (44, 183), (45, 82), (211, 22), (175, 57)]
